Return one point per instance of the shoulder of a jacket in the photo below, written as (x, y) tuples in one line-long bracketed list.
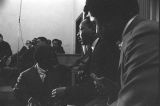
[(146, 25), (27, 71)]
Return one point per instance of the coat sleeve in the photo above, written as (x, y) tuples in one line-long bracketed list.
[(80, 93), (8, 51), (20, 90), (141, 67)]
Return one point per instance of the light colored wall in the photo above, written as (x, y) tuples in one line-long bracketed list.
[(79, 5), (49, 18)]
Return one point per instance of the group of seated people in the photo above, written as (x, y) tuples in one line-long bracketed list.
[(12, 64), (108, 73)]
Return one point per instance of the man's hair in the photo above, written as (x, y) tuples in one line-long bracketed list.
[(91, 24), (45, 53), (1, 36), (88, 39), (43, 39), (58, 41), (107, 9)]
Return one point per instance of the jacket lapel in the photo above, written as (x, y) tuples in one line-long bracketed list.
[(134, 23), (125, 36), (37, 78)]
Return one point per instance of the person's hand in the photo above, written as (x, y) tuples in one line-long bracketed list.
[(58, 91), (33, 102), (98, 82), (96, 79)]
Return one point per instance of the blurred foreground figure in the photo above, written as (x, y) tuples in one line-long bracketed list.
[(139, 61), (34, 86)]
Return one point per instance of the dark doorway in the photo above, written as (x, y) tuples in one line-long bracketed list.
[(78, 45)]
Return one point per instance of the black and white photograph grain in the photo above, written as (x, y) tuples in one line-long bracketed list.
[(79, 53)]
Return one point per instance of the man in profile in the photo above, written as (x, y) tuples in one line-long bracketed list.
[(96, 61), (83, 90), (139, 61)]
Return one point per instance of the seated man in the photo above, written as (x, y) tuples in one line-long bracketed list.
[(42, 41), (27, 59), (88, 38), (85, 91), (5, 51), (34, 86), (27, 46), (57, 46)]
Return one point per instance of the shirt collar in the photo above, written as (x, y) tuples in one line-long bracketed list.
[(40, 70)]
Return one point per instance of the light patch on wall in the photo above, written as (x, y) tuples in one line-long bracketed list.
[(1, 3), (49, 18)]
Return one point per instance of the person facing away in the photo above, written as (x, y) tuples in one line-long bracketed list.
[(5, 51), (139, 60), (42, 41), (27, 59), (57, 46), (34, 85)]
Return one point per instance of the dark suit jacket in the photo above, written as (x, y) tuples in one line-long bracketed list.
[(26, 60), (29, 84), (104, 63), (84, 89), (5, 49), (139, 64), (23, 50), (59, 50), (104, 59), (5, 52)]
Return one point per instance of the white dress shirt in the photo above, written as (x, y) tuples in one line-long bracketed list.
[(41, 72)]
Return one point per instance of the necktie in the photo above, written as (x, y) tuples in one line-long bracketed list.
[(42, 75)]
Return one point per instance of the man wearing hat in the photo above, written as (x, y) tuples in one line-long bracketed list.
[(139, 61)]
